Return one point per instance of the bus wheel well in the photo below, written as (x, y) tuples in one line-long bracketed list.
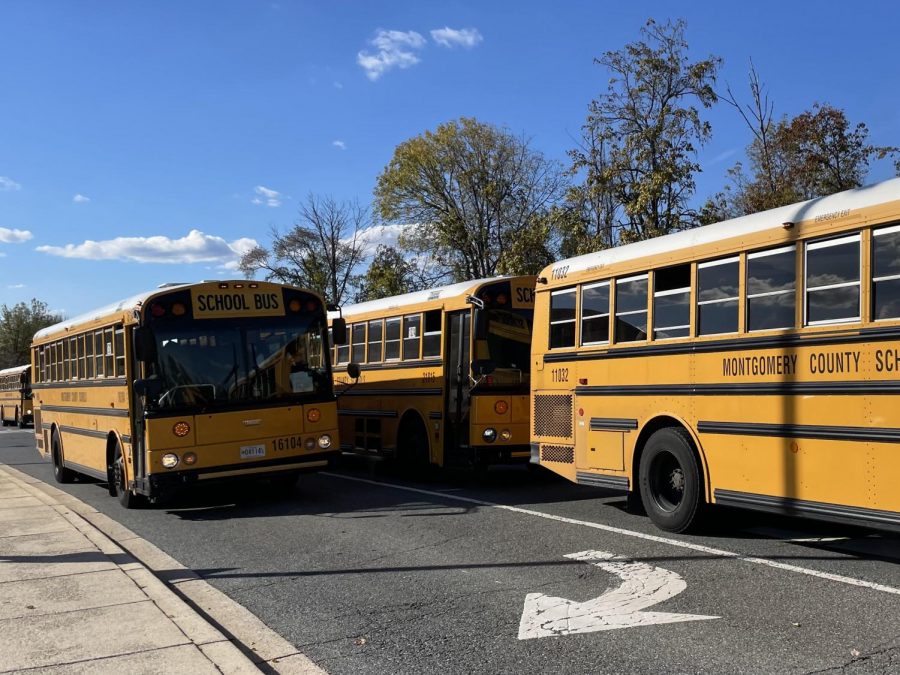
[(649, 429), (413, 428), (111, 442)]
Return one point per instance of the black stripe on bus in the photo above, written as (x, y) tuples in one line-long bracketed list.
[(93, 433), (800, 507), (102, 412), (435, 415), (730, 344), (831, 433), (391, 392), (743, 389), (78, 384), (618, 483), (390, 365), (613, 424), (367, 413)]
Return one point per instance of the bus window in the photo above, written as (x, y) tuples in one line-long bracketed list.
[(391, 339), (717, 296), (358, 343), (886, 273), (120, 351), (771, 285), (375, 331), (832, 280), (411, 334), (431, 338), (562, 318), (595, 314), (631, 309), (672, 302)]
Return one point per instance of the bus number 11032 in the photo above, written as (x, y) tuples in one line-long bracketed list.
[(560, 374)]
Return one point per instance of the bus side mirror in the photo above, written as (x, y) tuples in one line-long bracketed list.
[(481, 324), (150, 387), (144, 346), (353, 370), (482, 367), (339, 331)]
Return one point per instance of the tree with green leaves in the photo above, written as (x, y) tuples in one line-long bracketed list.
[(473, 195), (18, 324), (388, 274), (321, 251), (816, 153), (638, 152)]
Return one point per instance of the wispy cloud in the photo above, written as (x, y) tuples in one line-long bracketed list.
[(340, 145), (394, 49), (722, 156), (8, 184), (452, 37), (267, 196), (387, 235), (14, 286), (81, 199), (196, 247), (8, 236)]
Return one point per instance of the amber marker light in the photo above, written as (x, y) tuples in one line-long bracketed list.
[(178, 309), (181, 429), (313, 415), (294, 305), (189, 458), (500, 407), (157, 309)]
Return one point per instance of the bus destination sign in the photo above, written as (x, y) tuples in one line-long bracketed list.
[(235, 302)]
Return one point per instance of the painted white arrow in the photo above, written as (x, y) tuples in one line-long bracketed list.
[(642, 586)]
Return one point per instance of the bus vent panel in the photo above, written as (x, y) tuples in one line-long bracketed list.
[(553, 415)]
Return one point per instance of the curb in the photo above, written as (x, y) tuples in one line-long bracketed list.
[(228, 634)]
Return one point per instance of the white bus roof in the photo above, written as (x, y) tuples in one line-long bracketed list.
[(14, 370), (879, 193), (397, 301)]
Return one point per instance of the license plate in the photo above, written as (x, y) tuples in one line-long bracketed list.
[(250, 451)]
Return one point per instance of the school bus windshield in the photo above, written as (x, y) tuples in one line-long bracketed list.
[(507, 344), (227, 363)]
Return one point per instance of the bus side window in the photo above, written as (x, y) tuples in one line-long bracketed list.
[(886, 273), (431, 340), (771, 284), (358, 343), (717, 296), (412, 324), (375, 334), (562, 318), (595, 314), (391, 339), (672, 302), (631, 309), (832, 280)]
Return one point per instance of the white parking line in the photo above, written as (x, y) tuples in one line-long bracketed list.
[(721, 553)]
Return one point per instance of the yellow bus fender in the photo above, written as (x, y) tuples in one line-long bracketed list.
[(662, 419)]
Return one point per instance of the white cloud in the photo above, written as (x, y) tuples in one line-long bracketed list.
[(8, 236), (395, 49), (8, 184), (267, 196), (340, 145), (372, 237), (81, 199), (194, 248), (16, 286), (451, 37)]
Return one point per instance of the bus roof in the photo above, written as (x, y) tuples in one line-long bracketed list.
[(14, 370), (416, 297), (872, 195)]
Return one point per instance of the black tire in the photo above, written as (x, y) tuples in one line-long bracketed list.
[(60, 473), (670, 480), (126, 497), (412, 446), (3, 418)]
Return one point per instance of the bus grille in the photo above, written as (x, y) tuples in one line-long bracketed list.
[(564, 454), (553, 415)]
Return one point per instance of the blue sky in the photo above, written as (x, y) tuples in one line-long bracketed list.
[(184, 131)]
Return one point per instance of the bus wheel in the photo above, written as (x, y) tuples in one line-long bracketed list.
[(412, 445), (669, 478), (127, 498), (60, 473)]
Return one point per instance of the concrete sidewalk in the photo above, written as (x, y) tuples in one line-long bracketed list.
[(72, 601)]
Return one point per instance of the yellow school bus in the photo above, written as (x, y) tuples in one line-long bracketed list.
[(445, 374), (751, 363), (15, 396), (187, 383)]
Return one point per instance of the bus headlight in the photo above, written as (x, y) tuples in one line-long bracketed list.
[(489, 435), (324, 441), (170, 460), (505, 435)]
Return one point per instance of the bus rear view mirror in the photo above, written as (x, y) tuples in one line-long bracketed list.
[(144, 345), (339, 331), (353, 370)]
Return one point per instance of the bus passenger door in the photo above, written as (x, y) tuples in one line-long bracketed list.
[(456, 377)]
